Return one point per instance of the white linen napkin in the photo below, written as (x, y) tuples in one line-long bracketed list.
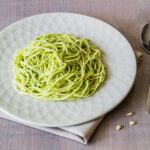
[(80, 133)]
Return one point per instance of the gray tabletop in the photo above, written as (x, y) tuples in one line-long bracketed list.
[(128, 16)]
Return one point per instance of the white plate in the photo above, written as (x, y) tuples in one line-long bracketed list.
[(118, 55)]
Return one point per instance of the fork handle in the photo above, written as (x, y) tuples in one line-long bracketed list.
[(148, 102)]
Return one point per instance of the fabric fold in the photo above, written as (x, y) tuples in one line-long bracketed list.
[(80, 133)]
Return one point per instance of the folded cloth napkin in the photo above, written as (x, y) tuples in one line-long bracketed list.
[(80, 133)]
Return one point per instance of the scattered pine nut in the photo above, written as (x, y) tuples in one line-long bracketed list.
[(132, 122), (118, 127), (139, 56), (130, 114)]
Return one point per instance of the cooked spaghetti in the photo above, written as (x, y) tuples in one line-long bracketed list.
[(58, 67)]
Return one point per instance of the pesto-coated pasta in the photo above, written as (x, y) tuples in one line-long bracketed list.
[(58, 67)]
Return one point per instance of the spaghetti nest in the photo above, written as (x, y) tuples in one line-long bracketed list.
[(58, 67)]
